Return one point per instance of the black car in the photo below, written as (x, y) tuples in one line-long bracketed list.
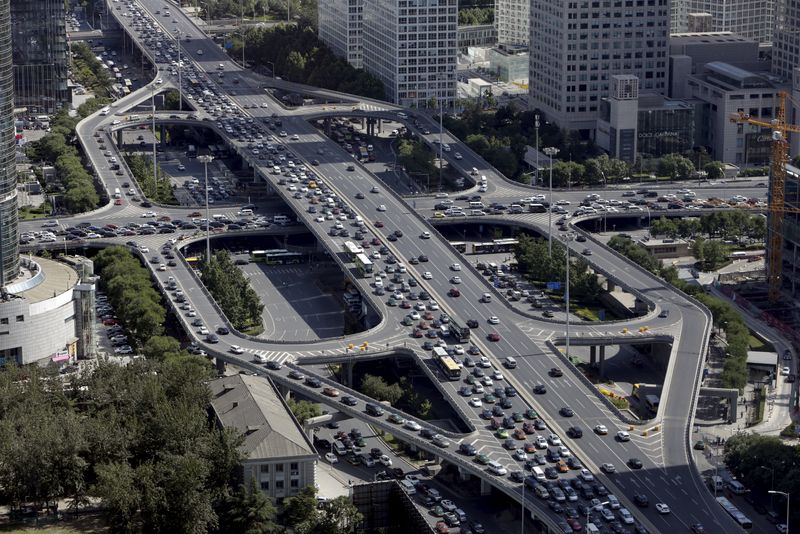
[(398, 233), (223, 331), (550, 472), (635, 463), (556, 372), (516, 476), (273, 365), (566, 411), (212, 338), (295, 374), (575, 432), (422, 258), (313, 382), (427, 433), (540, 389), (580, 239), (641, 500), (467, 449), (147, 204), (359, 195), (472, 323), (349, 401), (506, 403)]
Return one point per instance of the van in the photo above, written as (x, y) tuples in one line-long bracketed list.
[(280, 219), (716, 483), (736, 487), (339, 448), (496, 468), (538, 474), (246, 212), (117, 193), (542, 492), (218, 216), (515, 208), (510, 362), (408, 487), (483, 179), (474, 171), (487, 297), (592, 529), (476, 205), (105, 111)]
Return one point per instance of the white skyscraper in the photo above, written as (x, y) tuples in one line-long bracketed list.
[(577, 46), (340, 28), (786, 39), (753, 19), (511, 18), (411, 46)]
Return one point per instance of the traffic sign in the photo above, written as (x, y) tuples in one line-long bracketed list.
[(553, 285)]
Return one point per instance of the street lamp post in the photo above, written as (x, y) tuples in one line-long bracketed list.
[(550, 151), (155, 140), (180, 71), (567, 239), (273, 67), (536, 125), (785, 494), (205, 160)]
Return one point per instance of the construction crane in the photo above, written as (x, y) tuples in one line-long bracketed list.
[(777, 181)]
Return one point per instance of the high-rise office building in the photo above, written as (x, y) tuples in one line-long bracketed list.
[(511, 17), (411, 46), (753, 19), (786, 38), (9, 240), (577, 46), (339, 24), (40, 54)]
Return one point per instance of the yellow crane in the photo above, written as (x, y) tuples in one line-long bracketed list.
[(777, 181)]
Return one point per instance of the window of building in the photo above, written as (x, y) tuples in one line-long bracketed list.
[(279, 468), (4, 320), (279, 484), (265, 485), (294, 483), (20, 318), (264, 468)]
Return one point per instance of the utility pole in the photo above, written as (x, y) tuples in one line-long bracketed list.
[(550, 151), (537, 148), (206, 159)]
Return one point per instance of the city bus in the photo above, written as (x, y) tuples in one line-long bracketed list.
[(497, 245), (283, 257), (458, 332), (447, 364), (734, 512), (193, 261), (363, 264), (352, 250), (459, 246)]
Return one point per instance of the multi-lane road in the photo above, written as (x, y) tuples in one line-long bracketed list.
[(667, 474)]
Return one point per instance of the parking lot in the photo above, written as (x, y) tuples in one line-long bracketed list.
[(296, 306)]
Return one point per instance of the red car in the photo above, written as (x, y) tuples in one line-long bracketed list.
[(574, 524), (494, 336), (195, 214), (417, 333), (454, 292), (109, 322), (378, 224), (405, 305), (118, 202)]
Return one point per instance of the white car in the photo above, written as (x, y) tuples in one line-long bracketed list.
[(475, 402), (433, 305), (520, 455), (455, 280), (162, 267), (564, 452), (554, 440), (662, 508), (413, 425), (457, 155), (203, 331), (608, 468), (385, 460), (295, 137), (540, 442), (427, 275), (381, 208), (455, 267), (484, 362), (626, 516), (181, 167), (414, 315), (785, 371), (236, 349), (459, 350), (191, 313), (486, 381), (623, 436), (601, 429), (586, 475), (322, 219), (562, 202), (331, 458), (497, 375), (144, 250), (425, 235), (477, 388), (494, 320)]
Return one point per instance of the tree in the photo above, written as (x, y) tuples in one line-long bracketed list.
[(304, 410), (339, 516), (714, 170), (248, 511), (116, 486), (377, 388), (300, 509), (664, 226), (698, 249), (161, 348), (715, 253), (675, 166)]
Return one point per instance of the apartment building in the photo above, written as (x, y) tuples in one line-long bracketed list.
[(511, 17), (340, 28)]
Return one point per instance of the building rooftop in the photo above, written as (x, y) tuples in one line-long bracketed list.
[(251, 405), (707, 37), (56, 278), (762, 358)]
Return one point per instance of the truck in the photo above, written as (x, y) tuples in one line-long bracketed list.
[(363, 152), (459, 332), (191, 151)]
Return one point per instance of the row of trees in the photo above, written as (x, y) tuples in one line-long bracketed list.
[(764, 463), (296, 54), (231, 290), (540, 267), (88, 71), (415, 157), (59, 148), (157, 190), (130, 291), (725, 316), (732, 224), (474, 16), (138, 437), (400, 394), (337, 516)]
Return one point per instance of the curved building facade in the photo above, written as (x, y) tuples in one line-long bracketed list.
[(9, 240)]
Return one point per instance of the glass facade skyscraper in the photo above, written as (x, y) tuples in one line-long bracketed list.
[(40, 54), (9, 240)]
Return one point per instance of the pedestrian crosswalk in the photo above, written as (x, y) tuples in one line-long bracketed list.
[(274, 356), (371, 107)]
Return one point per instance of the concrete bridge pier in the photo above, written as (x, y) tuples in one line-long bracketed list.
[(220, 364), (119, 138), (601, 365), (162, 129), (285, 392), (463, 474), (347, 374), (486, 488)]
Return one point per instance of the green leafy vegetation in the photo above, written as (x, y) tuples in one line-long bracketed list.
[(298, 55), (401, 394), (764, 463), (539, 267), (474, 16), (59, 148), (130, 291), (88, 71), (160, 190), (301, 514), (733, 225), (416, 157), (231, 290), (137, 437), (304, 410)]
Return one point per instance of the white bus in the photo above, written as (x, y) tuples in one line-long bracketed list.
[(734, 512), (352, 249), (364, 264)]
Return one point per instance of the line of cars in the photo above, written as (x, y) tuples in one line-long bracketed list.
[(114, 331)]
